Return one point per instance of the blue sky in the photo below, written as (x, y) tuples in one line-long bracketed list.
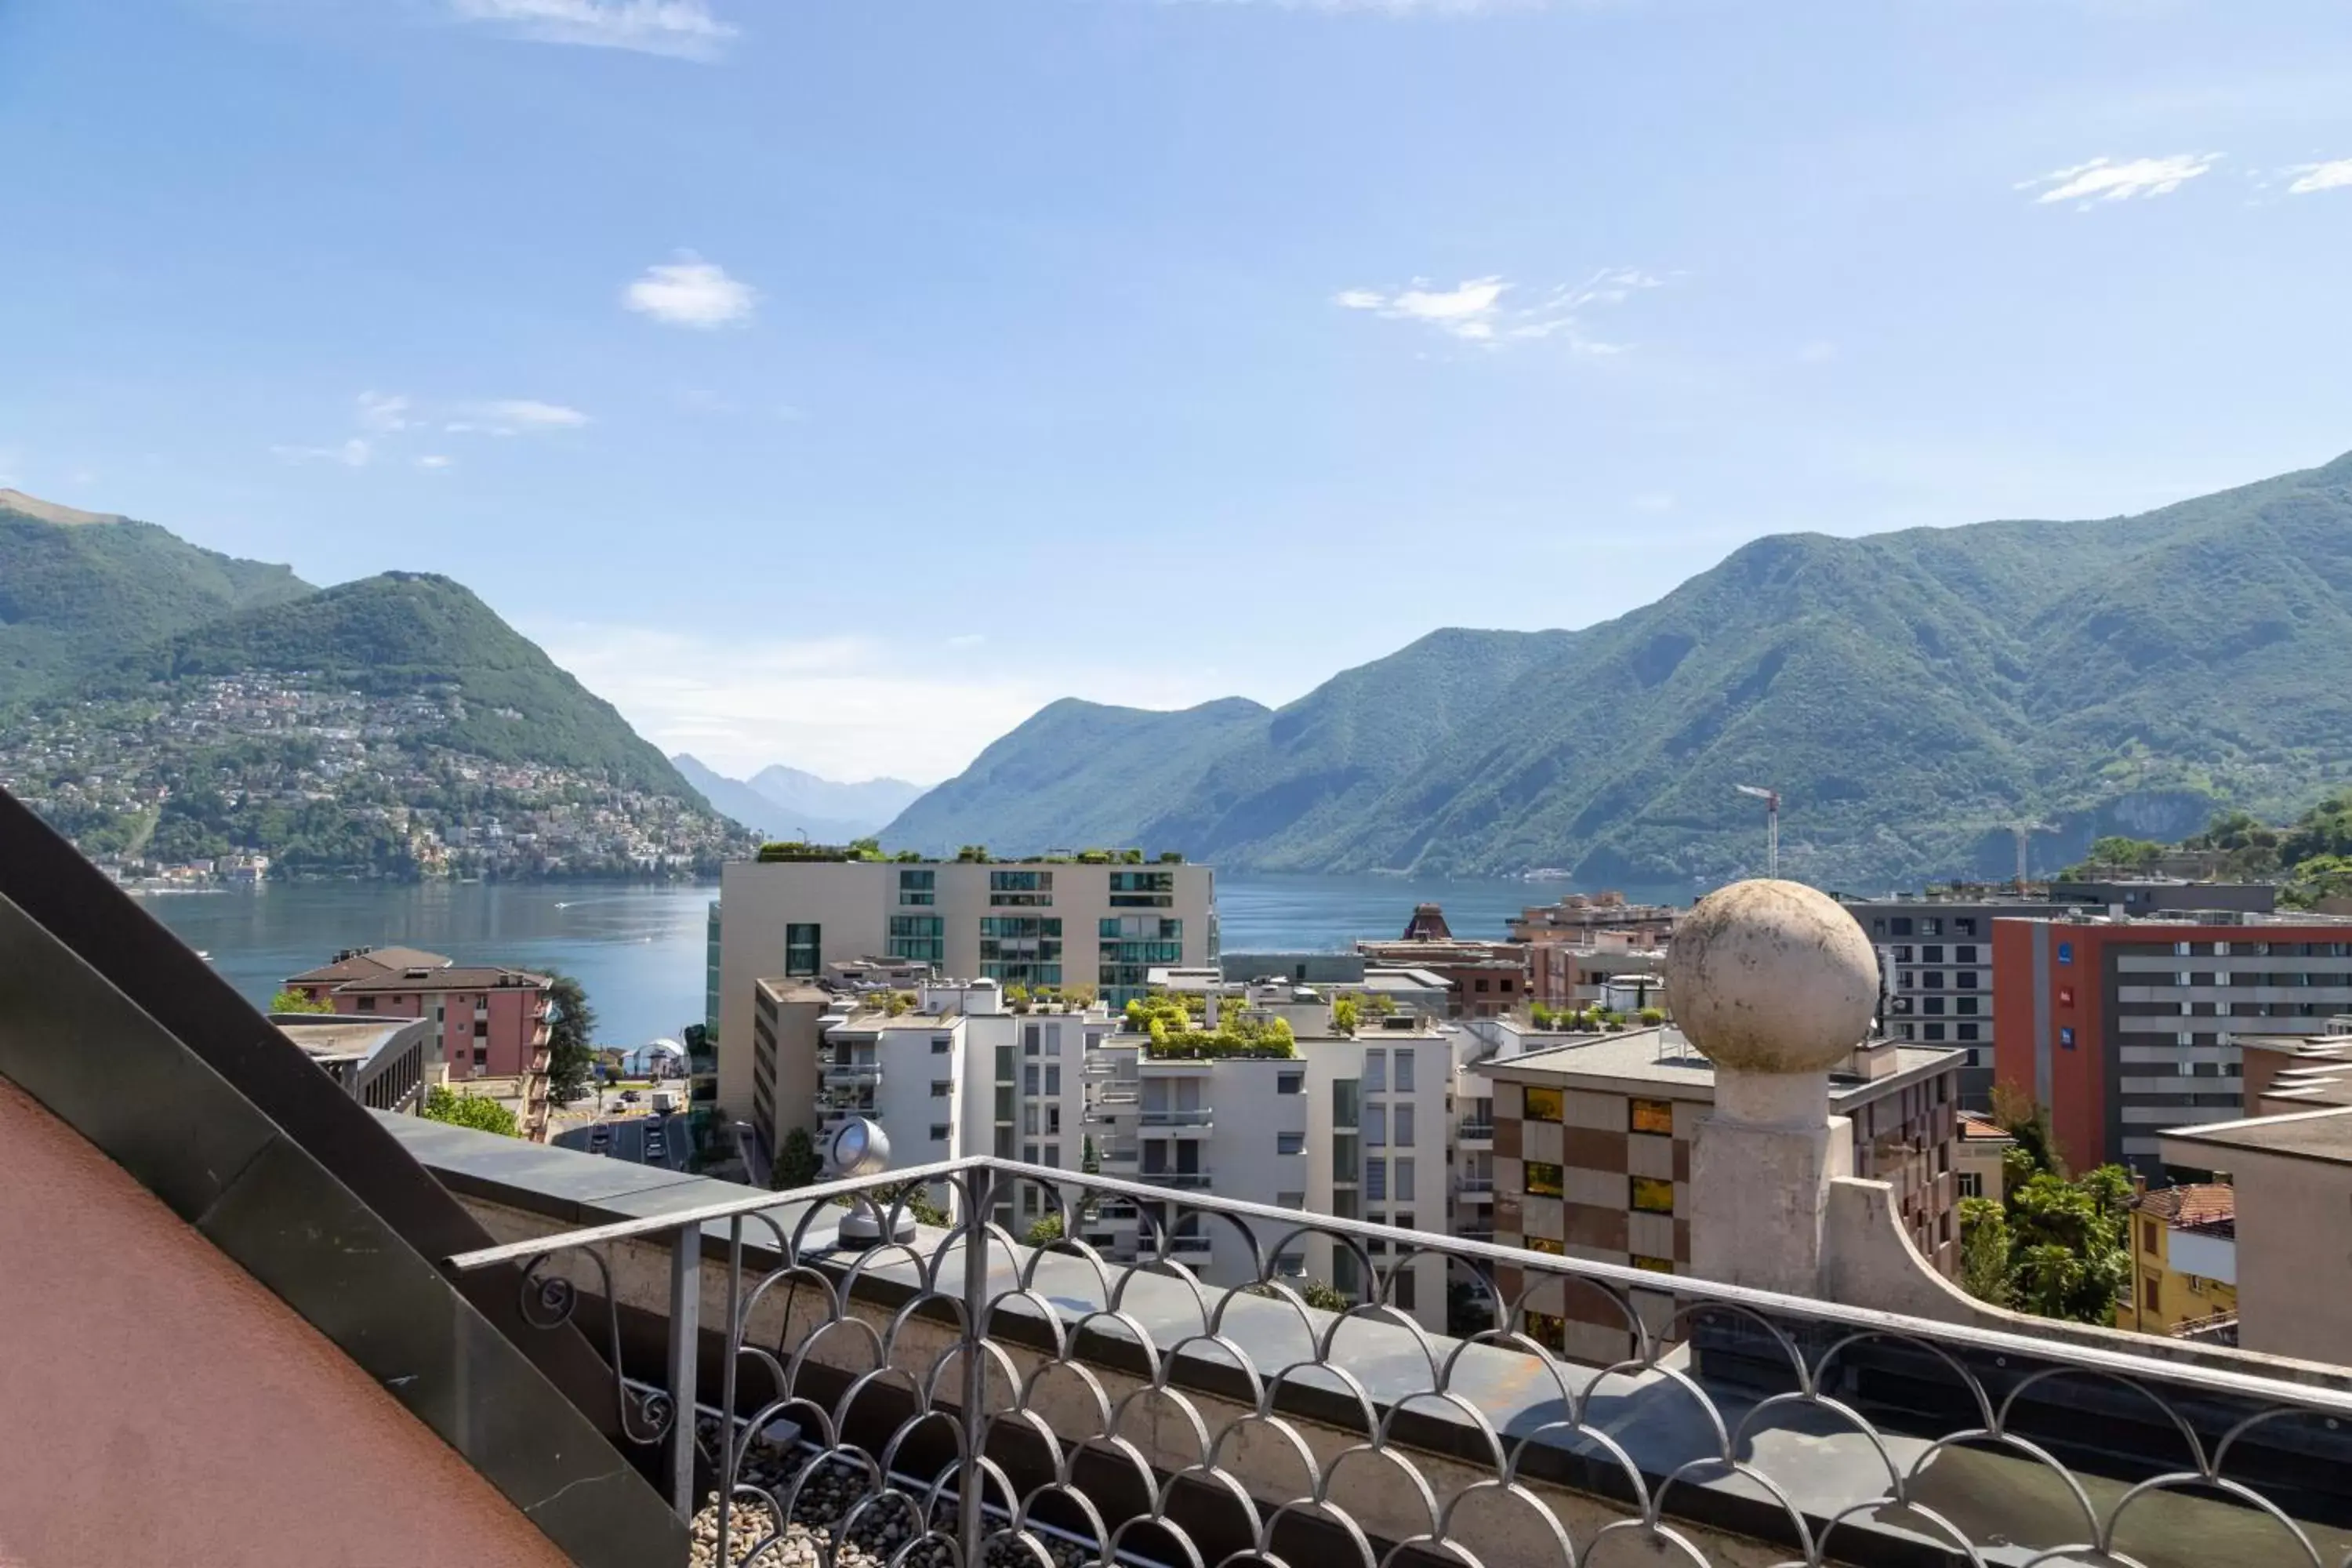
[(834, 382)]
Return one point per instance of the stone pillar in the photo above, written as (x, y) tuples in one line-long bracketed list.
[(1775, 984)]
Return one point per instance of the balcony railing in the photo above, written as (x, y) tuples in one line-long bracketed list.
[(1202, 1119), (966, 1399), (1476, 1132), (852, 1072), (1189, 1179), (1470, 1186)]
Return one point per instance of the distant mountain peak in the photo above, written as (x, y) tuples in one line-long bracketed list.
[(51, 511)]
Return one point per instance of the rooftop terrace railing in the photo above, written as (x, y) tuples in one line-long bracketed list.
[(966, 1398)]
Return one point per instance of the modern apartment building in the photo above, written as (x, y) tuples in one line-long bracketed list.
[(491, 1022), (1591, 1147), (1027, 923), (2126, 1027), (958, 1074), (1356, 1126)]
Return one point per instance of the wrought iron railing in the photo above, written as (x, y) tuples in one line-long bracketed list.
[(966, 1398)]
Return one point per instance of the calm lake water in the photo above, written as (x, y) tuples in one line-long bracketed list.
[(640, 950)]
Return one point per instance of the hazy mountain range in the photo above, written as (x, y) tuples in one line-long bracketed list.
[(785, 802), (1908, 693)]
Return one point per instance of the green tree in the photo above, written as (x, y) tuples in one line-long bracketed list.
[(474, 1111), (571, 1035), (290, 1000), (1984, 1251), (797, 1162), (1046, 1231), (2117, 854), (1346, 1012), (1539, 1014)]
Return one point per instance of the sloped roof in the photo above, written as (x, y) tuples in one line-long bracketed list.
[(2199, 1204), (369, 964)]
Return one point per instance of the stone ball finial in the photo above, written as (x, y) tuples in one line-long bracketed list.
[(1771, 977)]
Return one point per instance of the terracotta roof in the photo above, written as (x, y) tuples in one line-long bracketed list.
[(448, 977), (1973, 1126), (367, 963), (2198, 1205)]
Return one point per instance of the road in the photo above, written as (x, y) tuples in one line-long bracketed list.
[(628, 1139)]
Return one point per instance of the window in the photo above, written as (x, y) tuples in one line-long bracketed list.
[(1542, 1104), (1404, 1126), (1400, 1289), (939, 1131), (1967, 1032), (367, 1003), (1932, 979), (919, 939), (1650, 1116), (1900, 925), (1931, 1031), (918, 887), (1965, 980), (1053, 1078), (2150, 1296), (1020, 888), (1653, 1195), (1054, 1155), (1289, 1201), (1376, 1072), (801, 943), (1964, 956), (2147, 1237), (1403, 1218), (1029, 1080), (1931, 925), (1903, 955), (1931, 955), (1376, 1126), (1290, 1142), (1376, 1181), (1878, 927), (1029, 1119), (1033, 1038), (1545, 1180), (1404, 1072), (1404, 1176), (1289, 1082), (1653, 1265), (1964, 925), (1932, 1006), (1965, 1006), (941, 1088), (1971, 1184)]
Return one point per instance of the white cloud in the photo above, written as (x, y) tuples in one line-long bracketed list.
[(355, 453), (1481, 311), (2119, 179), (433, 460), (691, 292), (512, 416), (382, 413), (685, 29), (2313, 177)]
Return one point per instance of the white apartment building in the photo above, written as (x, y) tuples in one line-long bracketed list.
[(1028, 923), (1356, 1127), (957, 1074)]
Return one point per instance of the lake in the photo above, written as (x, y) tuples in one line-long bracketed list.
[(639, 950)]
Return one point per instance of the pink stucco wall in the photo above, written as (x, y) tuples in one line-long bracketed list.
[(157, 1404)]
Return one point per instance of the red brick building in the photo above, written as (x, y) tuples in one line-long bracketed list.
[(1487, 979), (489, 1021), (2124, 1028)]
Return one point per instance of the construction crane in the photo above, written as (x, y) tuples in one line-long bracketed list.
[(1771, 799)]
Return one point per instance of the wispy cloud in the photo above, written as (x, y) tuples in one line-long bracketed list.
[(691, 292), (512, 416), (2118, 179), (2314, 177), (682, 29), (382, 413), (355, 453), (1485, 311), (434, 460)]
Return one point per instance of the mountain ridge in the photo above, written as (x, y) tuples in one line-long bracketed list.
[(1908, 692)]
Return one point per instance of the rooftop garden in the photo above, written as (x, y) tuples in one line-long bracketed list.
[(1177, 1032), (1591, 1020)]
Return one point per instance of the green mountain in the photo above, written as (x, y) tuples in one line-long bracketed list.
[(1076, 775), (1909, 694), (404, 633), (77, 588)]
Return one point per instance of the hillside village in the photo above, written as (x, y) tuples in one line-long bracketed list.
[(235, 780)]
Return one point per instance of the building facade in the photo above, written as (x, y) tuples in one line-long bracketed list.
[(1353, 1125), (489, 1021), (2291, 1185), (2124, 1028), (2184, 1262), (1486, 979), (1026, 923), (1591, 1147), (1586, 939)]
